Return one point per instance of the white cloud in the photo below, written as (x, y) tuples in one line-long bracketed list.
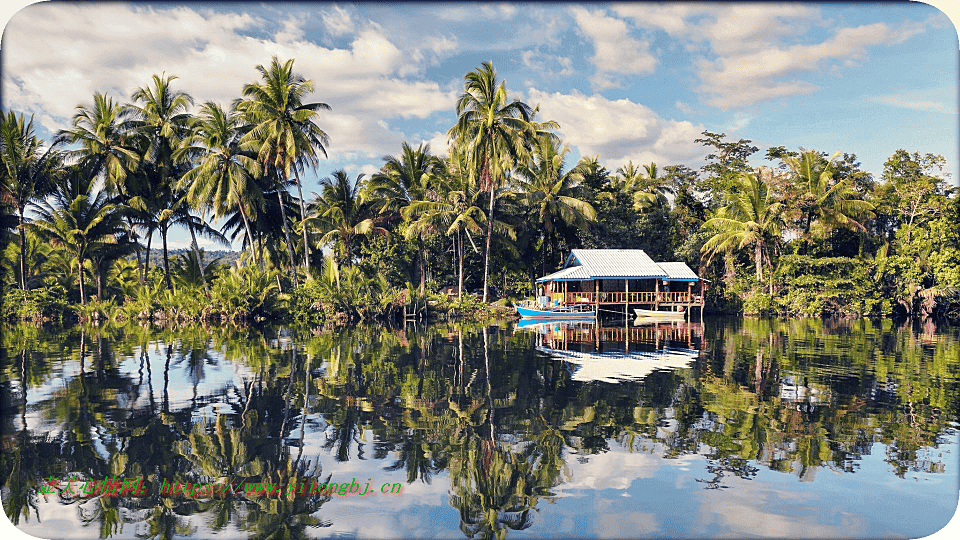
[(57, 55), (615, 51), (439, 144), (668, 17), (756, 75), (547, 65), (751, 50), (938, 100), (338, 21), (619, 130), (291, 31)]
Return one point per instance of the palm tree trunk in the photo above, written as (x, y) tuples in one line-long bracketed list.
[(286, 234), (100, 280), (166, 258), (486, 255), (137, 250), (196, 248), (460, 267), (23, 253), (83, 300), (422, 265), (146, 266), (250, 240), (303, 215), (758, 258)]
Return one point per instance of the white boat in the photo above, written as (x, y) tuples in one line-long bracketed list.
[(663, 315)]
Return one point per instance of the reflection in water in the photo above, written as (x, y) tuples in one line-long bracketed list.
[(612, 354), (491, 431)]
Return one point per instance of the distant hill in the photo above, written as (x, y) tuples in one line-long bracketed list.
[(226, 257)]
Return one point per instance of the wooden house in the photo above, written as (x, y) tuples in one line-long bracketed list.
[(617, 280)]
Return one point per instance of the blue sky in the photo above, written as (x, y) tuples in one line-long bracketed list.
[(635, 81)]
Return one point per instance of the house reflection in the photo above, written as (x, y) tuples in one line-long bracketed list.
[(618, 353)]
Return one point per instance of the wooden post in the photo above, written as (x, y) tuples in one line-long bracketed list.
[(689, 300), (656, 295), (626, 299)]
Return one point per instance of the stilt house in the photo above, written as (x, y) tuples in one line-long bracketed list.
[(621, 279)]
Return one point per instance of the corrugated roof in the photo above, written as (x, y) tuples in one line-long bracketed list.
[(617, 263), (678, 270), (571, 272), (585, 264)]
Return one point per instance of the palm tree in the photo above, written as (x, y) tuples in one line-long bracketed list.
[(403, 181), (342, 212), (752, 217), (223, 179), (107, 150), (494, 133), (829, 200), (27, 173), (283, 129), (79, 224), (103, 133), (547, 192), (645, 186), (452, 202), (162, 123)]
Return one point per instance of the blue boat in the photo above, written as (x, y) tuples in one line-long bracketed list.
[(538, 323), (577, 311)]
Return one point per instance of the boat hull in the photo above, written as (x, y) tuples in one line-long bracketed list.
[(529, 313), (662, 315)]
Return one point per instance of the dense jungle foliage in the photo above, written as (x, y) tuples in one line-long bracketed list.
[(808, 234)]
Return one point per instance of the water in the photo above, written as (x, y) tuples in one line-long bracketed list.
[(730, 428)]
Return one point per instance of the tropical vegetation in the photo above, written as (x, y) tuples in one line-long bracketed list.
[(810, 233)]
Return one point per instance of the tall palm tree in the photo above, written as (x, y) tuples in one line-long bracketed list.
[(752, 217), (547, 192), (108, 150), (224, 177), (103, 135), (28, 171), (494, 133), (342, 212), (79, 224), (644, 185), (451, 205), (283, 129), (162, 123), (403, 181), (826, 200)]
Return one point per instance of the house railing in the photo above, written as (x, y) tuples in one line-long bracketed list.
[(640, 297)]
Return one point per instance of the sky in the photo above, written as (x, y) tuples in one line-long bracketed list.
[(627, 82), (633, 81)]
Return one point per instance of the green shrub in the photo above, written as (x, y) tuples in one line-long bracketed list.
[(45, 303)]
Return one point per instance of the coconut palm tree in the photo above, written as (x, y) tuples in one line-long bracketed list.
[(452, 205), (825, 199), (403, 181), (27, 173), (224, 177), (161, 123), (283, 130), (494, 133), (104, 138), (644, 185), (79, 224), (342, 213), (752, 217), (547, 192), (107, 149)]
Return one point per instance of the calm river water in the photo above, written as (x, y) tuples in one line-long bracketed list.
[(727, 428)]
